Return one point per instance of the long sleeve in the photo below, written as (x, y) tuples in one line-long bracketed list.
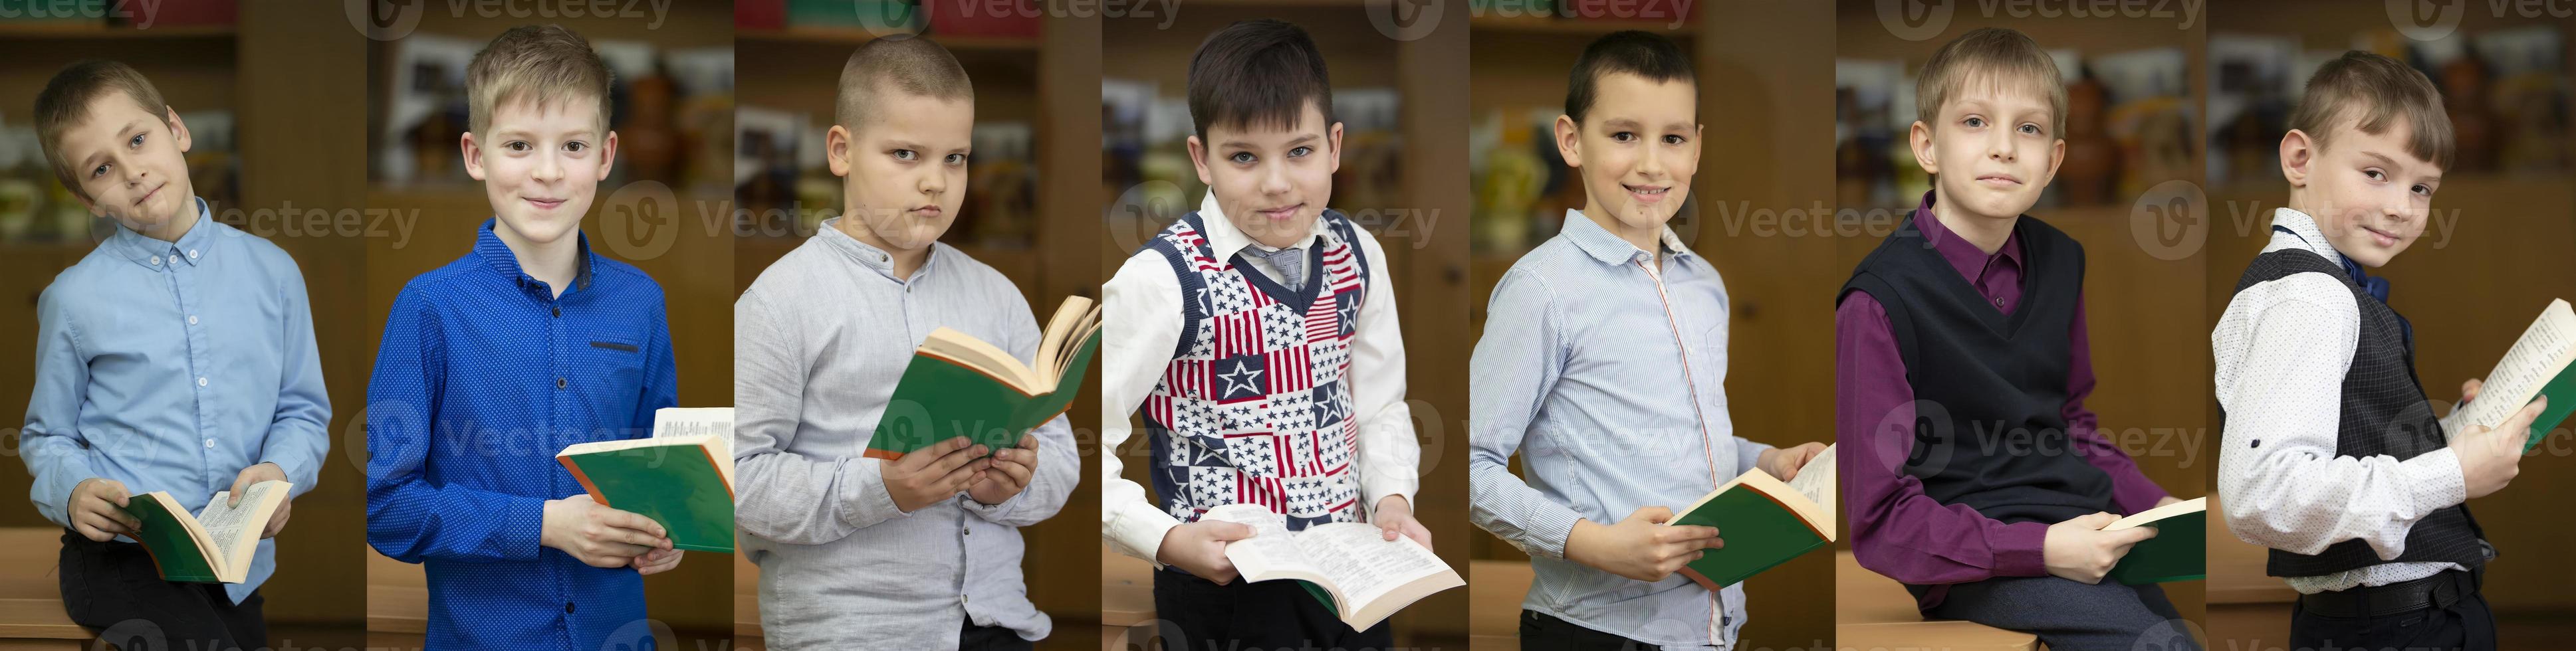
[(1059, 464), (298, 435), (1517, 361), (1140, 327), (781, 495), (408, 518), (1390, 458), (51, 444), (661, 374), (2281, 351), (1897, 530), (2131, 490)]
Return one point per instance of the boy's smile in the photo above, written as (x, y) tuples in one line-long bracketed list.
[(131, 166), (2366, 191), (1636, 149), (1993, 152), (903, 171), (541, 165), (1271, 182)]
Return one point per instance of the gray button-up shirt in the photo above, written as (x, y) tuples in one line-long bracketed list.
[(1607, 375), (819, 342)]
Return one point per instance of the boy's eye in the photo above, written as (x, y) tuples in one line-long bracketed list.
[(2422, 189), (136, 142), (516, 145), (1973, 121), (1623, 136), (906, 154), (956, 159), (1241, 158), (2375, 175), (2031, 129), (100, 171), (1300, 152), (576, 146), (1673, 140)]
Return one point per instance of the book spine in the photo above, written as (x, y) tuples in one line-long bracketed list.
[(584, 478)]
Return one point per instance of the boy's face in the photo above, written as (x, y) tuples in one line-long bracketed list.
[(1992, 152), (1272, 183), (2369, 194), (130, 165), (541, 165), (1637, 147), (903, 173)]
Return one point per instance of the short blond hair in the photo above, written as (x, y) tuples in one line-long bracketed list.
[(1991, 55), (538, 64), (908, 64), (2375, 91), (65, 103)]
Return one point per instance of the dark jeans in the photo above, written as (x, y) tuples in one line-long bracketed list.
[(990, 638), (112, 586), (2466, 624), (1543, 632), (1199, 615), (2071, 616)]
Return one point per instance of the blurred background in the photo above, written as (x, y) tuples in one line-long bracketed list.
[(2133, 85), (1396, 90), (241, 78), (1034, 108), (663, 209), (1762, 69), (2492, 256)]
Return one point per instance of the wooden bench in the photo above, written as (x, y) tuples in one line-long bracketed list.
[(1494, 595), (746, 601), (397, 602), (2244, 604), (1872, 611), (31, 597), (1126, 596)]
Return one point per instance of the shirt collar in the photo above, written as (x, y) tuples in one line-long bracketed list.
[(1602, 245), (1962, 255), (2304, 234), (497, 255), (190, 249), (1224, 239), (868, 255)]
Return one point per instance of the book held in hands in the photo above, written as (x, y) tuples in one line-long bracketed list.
[(2537, 365), (212, 545), (1350, 566), (681, 477), (1764, 521), (957, 385), (2179, 551)]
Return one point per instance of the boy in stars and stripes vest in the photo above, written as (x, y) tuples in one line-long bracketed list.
[(1256, 338)]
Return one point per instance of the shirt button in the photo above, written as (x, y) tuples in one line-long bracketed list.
[(156, 261), (567, 608), (210, 444), (201, 380), (558, 312), (192, 319), (559, 383), (192, 254)]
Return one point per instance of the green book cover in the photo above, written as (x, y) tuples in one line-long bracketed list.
[(2540, 363), (1760, 534), (678, 484), (938, 399), (2179, 552), (165, 536), (2561, 391)]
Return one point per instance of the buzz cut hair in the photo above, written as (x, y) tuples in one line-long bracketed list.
[(541, 65), (2375, 93), (1634, 52), (907, 64), (65, 103)]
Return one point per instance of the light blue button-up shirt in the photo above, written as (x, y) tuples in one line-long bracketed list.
[(1606, 374), (171, 366)]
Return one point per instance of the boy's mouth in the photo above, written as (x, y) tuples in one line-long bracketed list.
[(2380, 237), (544, 204), (927, 212), (1999, 180), (1647, 193), (1282, 213), (147, 196)]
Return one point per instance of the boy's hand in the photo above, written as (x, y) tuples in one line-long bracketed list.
[(1008, 474), (1199, 548), (657, 561), (598, 535), (97, 510), (1640, 547), (1783, 463), (2079, 550), (256, 473), (2468, 392), (932, 474), (2490, 457), (1395, 518), (2169, 499)]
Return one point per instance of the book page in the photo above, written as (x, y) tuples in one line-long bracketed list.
[(713, 423), (1272, 548), (2533, 360), (1816, 479), (2196, 505), (1363, 564), (231, 527)]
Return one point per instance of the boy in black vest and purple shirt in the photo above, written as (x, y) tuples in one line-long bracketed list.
[(2331, 454)]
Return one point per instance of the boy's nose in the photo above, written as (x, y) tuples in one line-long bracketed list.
[(1274, 179), (2000, 148)]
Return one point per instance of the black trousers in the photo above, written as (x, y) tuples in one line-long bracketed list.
[(112, 586), (990, 638), (2466, 624), (1544, 632), (1199, 615)]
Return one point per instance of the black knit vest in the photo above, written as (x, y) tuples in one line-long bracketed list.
[(2384, 412), (1989, 388)]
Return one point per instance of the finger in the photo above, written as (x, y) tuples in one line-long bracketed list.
[(1418, 534), (2099, 520), (1386, 531), (2469, 389), (624, 549), (954, 459), (1679, 533), (960, 478), (1229, 531), (1029, 442), (922, 458), (114, 493), (1018, 473), (240, 482), (1654, 514)]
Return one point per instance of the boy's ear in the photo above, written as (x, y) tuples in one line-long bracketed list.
[(836, 150), (1336, 146), (1920, 137), (178, 129), (1198, 157), (2297, 152), (2056, 157), (1569, 140), (607, 156), (473, 155)]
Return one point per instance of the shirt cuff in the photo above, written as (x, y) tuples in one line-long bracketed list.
[(1549, 530), (990, 512), (2021, 549), (523, 528), (1141, 536), (2436, 479), (871, 498)]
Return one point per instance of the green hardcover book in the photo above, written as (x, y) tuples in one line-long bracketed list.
[(682, 477), (957, 386), (214, 545), (1350, 567), (2179, 552), (1764, 521), (2537, 365)]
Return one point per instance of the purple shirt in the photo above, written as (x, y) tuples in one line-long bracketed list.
[(1896, 529)]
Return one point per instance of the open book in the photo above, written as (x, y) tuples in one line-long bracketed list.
[(681, 477), (958, 386), (1349, 566), (1764, 521), (215, 544), (2177, 553), (2535, 366)]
